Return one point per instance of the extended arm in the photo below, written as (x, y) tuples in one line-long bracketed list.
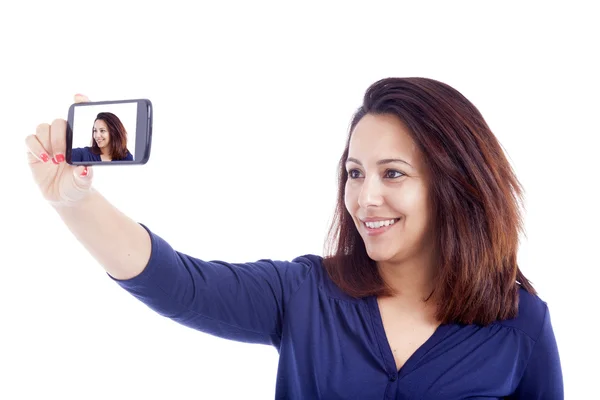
[(119, 244), (243, 302)]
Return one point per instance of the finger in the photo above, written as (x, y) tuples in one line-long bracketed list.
[(58, 139), (81, 98), (36, 150), (42, 133)]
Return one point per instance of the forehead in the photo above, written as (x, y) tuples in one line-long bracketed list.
[(100, 123), (382, 136)]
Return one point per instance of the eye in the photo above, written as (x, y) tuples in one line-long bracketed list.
[(393, 174), (353, 174)]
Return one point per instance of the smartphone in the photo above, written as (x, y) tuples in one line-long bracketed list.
[(109, 132)]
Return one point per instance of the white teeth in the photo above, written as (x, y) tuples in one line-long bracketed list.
[(379, 224)]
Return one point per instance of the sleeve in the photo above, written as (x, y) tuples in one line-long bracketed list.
[(543, 377), (243, 302)]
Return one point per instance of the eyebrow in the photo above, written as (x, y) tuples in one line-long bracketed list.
[(380, 162)]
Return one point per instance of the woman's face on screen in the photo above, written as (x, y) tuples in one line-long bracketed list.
[(100, 133)]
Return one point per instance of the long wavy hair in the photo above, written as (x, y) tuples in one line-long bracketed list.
[(117, 133), (476, 205)]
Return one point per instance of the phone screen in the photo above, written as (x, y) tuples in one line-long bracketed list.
[(109, 132)]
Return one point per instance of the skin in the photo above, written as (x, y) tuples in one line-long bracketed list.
[(101, 136), (117, 242), (378, 187)]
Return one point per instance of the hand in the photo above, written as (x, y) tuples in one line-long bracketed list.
[(59, 182)]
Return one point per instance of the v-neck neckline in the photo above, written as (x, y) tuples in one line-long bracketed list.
[(386, 350)]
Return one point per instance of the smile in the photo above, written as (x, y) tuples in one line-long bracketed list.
[(379, 224)]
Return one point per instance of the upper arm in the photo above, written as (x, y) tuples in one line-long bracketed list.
[(243, 301), (542, 378)]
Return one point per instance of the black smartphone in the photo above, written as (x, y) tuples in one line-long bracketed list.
[(109, 132)]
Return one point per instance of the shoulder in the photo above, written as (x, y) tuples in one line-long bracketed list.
[(539, 369), (531, 317), (318, 278)]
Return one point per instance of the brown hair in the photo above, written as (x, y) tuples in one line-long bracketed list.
[(118, 136), (476, 201)]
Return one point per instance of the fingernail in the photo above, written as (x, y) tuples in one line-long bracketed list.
[(54, 161), (45, 157), (84, 172), (60, 158)]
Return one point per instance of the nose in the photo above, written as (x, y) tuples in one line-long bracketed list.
[(370, 193)]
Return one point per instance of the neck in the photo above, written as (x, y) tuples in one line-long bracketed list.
[(412, 279)]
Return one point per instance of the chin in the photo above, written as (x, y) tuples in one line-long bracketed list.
[(380, 255)]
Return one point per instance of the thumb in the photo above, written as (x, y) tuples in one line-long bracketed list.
[(81, 98), (83, 176)]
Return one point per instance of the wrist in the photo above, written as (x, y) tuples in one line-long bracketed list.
[(83, 202)]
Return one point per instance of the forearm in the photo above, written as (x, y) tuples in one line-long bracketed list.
[(118, 243)]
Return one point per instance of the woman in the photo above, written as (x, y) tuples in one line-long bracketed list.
[(109, 141), (420, 297)]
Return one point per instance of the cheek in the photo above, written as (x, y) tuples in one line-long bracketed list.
[(421, 214), (411, 202), (350, 199)]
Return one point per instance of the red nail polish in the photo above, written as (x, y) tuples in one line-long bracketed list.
[(84, 172), (45, 157), (54, 161), (60, 158)]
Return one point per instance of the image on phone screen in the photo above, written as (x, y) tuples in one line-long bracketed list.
[(104, 132)]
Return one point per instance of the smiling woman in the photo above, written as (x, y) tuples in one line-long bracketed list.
[(421, 153), (428, 223), (420, 295)]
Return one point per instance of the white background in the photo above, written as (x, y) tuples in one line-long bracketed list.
[(84, 117), (252, 102)]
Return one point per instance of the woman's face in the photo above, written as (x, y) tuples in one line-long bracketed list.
[(100, 133), (387, 191)]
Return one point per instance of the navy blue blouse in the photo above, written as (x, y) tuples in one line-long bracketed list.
[(333, 346), (85, 154)]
